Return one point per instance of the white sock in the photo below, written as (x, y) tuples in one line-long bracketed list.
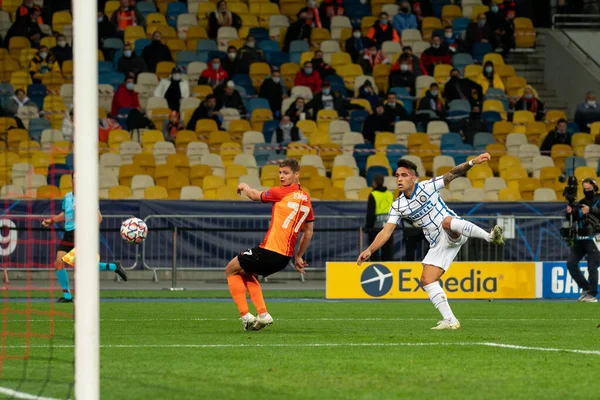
[(440, 301), (469, 229)]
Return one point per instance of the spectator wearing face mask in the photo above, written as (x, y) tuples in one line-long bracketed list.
[(529, 101), (18, 101), (376, 122), (469, 126), (126, 97), (393, 110), (105, 29), (414, 62), (432, 101), (248, 54), (62, 51), (489, 78), (322, 68), (173, 89), (42, 63), (329, 9), (228, 97), (287, 133), (308, 77), (330, 100), (172, 126), (403, 77), (587, 113), (312, 12), (367, 92), (382, 31), (274, 91), (222, 17), (131, 63), (478, 32), (126, 16), (298, 111), (454, 43), (356, 45), (156, 52), (206, 110), (214, 75), (437, 54), (405, 19), (559, 135), (26, 9), (298, 30), (458, 88), (370, 58), (230, 64), (28, 26)]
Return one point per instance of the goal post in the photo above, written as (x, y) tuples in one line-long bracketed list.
[(87, 307)]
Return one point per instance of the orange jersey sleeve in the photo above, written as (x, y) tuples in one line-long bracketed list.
[(291, 210)]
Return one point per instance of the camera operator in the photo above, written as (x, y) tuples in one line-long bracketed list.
[(585, 216)]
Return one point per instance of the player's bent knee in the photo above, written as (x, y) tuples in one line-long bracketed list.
[(446, 222), (233, 268)]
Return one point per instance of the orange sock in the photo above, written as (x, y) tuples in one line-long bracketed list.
[(255, 293), (238, 293)]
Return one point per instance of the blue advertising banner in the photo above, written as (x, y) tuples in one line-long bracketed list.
[(557, 282)]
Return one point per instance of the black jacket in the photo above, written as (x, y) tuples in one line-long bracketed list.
[(154, 53), (555, 138), (340, 105), (403, 79), (62, 54), (322, 68), (466, 89), (134, 64), (229, 66), (213, 24), (354, 48), (105, 30), (273, 92), (298, 30), (468, 127), (246, 56), (376, 123), (585, 228), (202, 112), (233, 101), (397, 112)]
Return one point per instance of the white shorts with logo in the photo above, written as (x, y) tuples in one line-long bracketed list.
[(444, 252)]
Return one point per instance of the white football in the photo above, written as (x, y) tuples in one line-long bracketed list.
[(134, 230)]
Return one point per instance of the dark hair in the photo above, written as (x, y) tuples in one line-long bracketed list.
[(448, 27), (562, 120), (306, 62), (434, 84), (592, 182), (378, 179), (292, 163), (407, 48), (381, 14), (231, 47), (210, 97), (488, 63), (388, 93), (404, 163), (436, 35), (19, 90)]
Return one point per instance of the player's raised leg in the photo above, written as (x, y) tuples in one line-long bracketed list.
[(238, 292), (469, 229)]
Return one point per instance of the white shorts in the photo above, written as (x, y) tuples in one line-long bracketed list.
[(444, 252)]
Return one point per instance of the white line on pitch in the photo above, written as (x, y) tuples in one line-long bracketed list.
[(309, 319), (14, 394), (297, 345)]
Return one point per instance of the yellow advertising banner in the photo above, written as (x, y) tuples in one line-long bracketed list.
[(398, 280)]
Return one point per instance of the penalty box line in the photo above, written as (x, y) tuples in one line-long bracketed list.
[(15, 394)]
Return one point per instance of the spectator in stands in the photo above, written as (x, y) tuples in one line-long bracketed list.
[(367, 92), (222, 17), (376, 122), (458, 88), (478, 32), (394, 111), (330, 100), (509, 8), (126, 97), (329, 9), (206, 110), (530, 101), (298, 110), (468, 127), (414, 62), (156, 52), (432, 101), (372, 57), (28, 27), (131, 63), (312, 11), (299, 30), (382, 31), (18, 101), (308, 77), (451, 40), (42, 63), (274, 91), (405, 19), (437, 54), (172, 126), (559, 135), (287, 133), (378, 205), (173, 89), (62, 51), (230, 64), (68, 128), (248, 54), (356, 45), (503, 36), (228, 97), (489, 78), (214, 75), (403, 77), (126, 16), (587, 113), (320, 66), (105, 29), (26, 9)]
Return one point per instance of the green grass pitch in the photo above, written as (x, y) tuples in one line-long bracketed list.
[(320, 350)]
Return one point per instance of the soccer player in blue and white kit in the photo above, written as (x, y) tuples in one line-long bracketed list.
[(420, 203)]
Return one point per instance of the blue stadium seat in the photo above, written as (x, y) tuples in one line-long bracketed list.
[(113, 43), (216, 53), (105, 67), (356, 11), (111, 78), (116, 57), (461, 60), (121, 118), (70, 161), (269, 45), (175, 9), (357, 117), (140, 45), (376, 170), (458, 110), (257, 102), (481, 140), (37, 93), (269, 128), (277, 58), (259, 34), (299, 46), (480, 50), (244, 81), (404, 96), (6, 92), (241, 90), (337, 84), (450, 140), (459, 25), (438, 5), (394, 152), (55, 171), (185, 57), (572, 127), (262, 153), (37, 126), (571, 164), (145, 7), (491, 117), (459, 152), (361, 156), (206, 45)]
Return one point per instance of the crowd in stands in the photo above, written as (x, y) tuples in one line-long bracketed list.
[(412, 78)]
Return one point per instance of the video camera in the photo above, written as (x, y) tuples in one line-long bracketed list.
[(570, 191), (570, 229)]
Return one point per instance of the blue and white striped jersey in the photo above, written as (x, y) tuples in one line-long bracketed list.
[(424, 209)]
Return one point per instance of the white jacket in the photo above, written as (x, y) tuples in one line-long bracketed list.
[(164, 84)]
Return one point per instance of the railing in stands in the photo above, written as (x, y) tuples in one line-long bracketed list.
[(576, 21)]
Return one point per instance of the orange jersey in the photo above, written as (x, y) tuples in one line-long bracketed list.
[(291, 210)]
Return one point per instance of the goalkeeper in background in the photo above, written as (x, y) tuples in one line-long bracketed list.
[(65, 253)]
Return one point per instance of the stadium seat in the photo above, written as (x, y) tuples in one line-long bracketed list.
[(478, 174), (509, 194), (139, 183), (544, 194), (175, 183), (156, 193), (559, 153), (524, 33), (191, 193), (339, 175), (198, 173), (458, 186)]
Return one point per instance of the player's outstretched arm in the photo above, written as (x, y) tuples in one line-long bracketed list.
[(57, 218), (99, 216), (252, 194), (382, 237), (307, 235), (461, 169)]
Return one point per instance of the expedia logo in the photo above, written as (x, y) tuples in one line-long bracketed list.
[(472, 283), (376, 280)]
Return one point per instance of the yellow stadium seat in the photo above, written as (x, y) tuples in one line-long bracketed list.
[(501, 129), (340, 59), (180, 163), (339, 175), (115, 138), (53, 81), (259, 116), (317, 36), (120, 193), (328, 152), (183, 138), (176, 45), (198, 173), (195, 33), (381, 73), (127, 172), (523, 117), (505, 72), (227, 193), (334, 194), (15, 137), (363, 194), (559, 153), (66, 184), (297, 150), (524, 33), (204, 127), (60, 19), (552, 117), (26, 57), (164, 68), (441, 73), (579, 141), (319, 185), (383, 139), (237, 128), (201, 91), (478, 174), (233, 173), (7, 67), (307, 126), (514, 85), (508, 162), (48, 192), (110, 7), (324, 118), (288, 74), (258, 72), (204, 8), (60, 150), (535, 131), (133, 33), (166, 31), (473, 71), (162, 174), (496, 150), (512, 176), (40, 162), (379, 160), (495, 105), (210, 186), (527, 187), (449, 12), (549, 176), (155, 19), (495, 58), (156, 193), (428, 25), (146, 163), (348, 73), (308, 172), (319, 138), (228, 152), (584, 172), (26, 150), (174, 184), (150, 137), (216, 139), (16, 44), (20, 80), (509, 194), (416, 140), (269, 175)]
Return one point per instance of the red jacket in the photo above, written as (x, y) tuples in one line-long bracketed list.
[(212, 77), (432, 57), (124, 98), (312, 81)]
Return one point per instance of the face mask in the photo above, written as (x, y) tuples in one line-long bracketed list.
[(251, 44), (313, 4), (356, 35), (286, 126), (448, 35), (475, 115), (176, 77), (44, 54), (130, 85), (326, 91), (127, 53), (529, 96), (308, 71), (481, 23), (231, 56), (591, 103), (434, 93), (384, 22), (216, 66), (276, 79), (100, 19), (373, 52), (494, 9), (435, 46), (403, 67), (405, 10), (589, 194), (392, 104), (62, 43), (489, 70)]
